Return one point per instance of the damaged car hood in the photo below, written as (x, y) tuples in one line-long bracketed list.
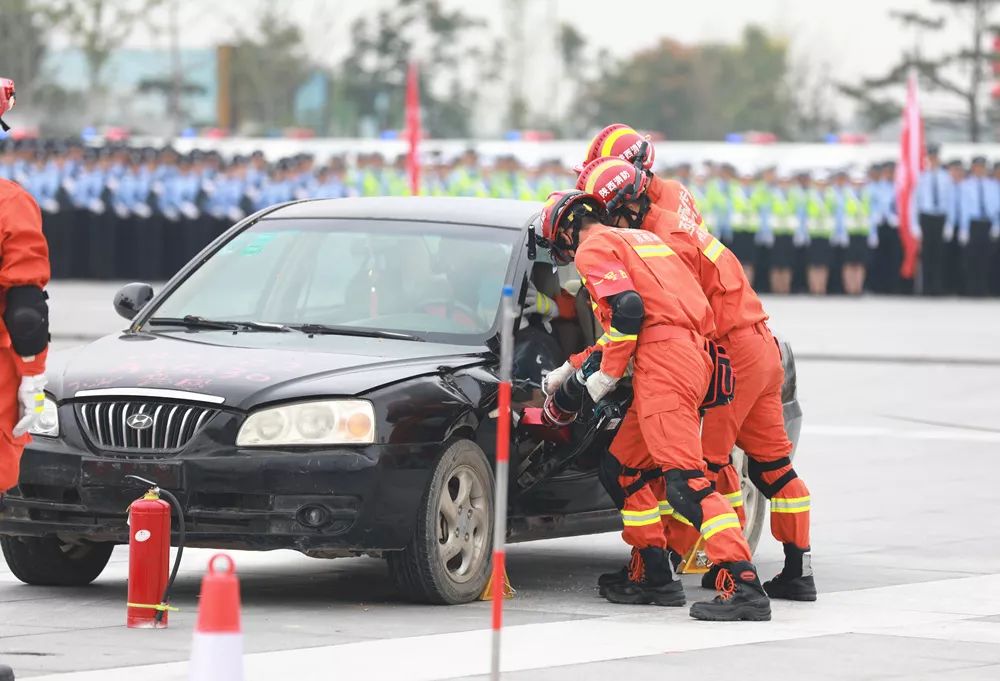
[(250, 368)]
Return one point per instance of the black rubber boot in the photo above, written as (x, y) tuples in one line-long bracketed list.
[(650, 580), (708, 579), (741, 597), (795, 581), (621, 576), (608, 578)]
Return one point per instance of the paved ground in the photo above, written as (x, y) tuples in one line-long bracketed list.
[(901, 458)]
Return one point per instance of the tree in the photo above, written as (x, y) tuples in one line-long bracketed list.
[(266, 71), (98, 27), (697, 92), (453, 62), (22, 43), (944, 73)]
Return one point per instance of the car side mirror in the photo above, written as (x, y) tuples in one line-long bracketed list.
[(131, 298)]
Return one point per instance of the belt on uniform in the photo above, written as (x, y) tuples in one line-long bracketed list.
[(758, 329), (662, 332)]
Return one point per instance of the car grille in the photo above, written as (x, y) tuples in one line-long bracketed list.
[(172, 424)]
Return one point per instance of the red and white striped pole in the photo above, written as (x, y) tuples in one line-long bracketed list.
[(503, 461)]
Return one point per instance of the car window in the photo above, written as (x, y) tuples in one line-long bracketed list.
[(436, 281)]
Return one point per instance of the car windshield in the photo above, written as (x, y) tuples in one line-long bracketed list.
[(432, 281)]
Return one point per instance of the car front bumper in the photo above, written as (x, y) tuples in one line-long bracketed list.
[(242, 499)]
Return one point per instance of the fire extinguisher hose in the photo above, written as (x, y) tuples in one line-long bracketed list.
[(181, 537)]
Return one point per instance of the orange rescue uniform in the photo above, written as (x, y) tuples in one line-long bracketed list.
[(672, 370), (24, 261), (673, 196), (754, 420)]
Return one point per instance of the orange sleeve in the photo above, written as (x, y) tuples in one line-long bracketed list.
[(604, 275), (24, 255)]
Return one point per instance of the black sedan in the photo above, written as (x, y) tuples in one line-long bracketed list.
[(322, 378)]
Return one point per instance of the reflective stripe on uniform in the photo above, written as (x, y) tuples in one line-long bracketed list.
[(648, 516), (714, 249), (615, 336), (652, 250), (666, 508), (603, 340), (725, 521), (795, 505), (681, 519), (734, 498)]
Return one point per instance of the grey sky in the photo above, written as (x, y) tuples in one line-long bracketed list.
[(851, 38)]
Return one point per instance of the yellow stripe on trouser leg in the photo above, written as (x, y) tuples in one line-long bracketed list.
[(794, 505), (734, 498), (666, 509), (725, 521), (648, 516)]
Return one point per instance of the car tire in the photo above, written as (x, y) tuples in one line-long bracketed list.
[(456, 513), (47, 561), (754, 503)]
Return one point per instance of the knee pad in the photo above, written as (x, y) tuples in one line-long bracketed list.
[(686, 501), (27, 319), (609, 470), (758, 468)]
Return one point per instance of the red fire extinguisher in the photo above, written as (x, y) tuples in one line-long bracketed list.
[(149, 558)]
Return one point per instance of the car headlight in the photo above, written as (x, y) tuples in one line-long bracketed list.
[(47, 424), (327, 422)]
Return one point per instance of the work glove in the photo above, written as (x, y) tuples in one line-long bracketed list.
[(873, 240), (799, 240), (536, 302), (995, 231), (600, 384), (30, 402), (949, 233), (963, 238), (96, 206), (556, 377), (893, 220)]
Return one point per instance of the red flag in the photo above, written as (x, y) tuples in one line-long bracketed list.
[(413, 128), (911, 162)]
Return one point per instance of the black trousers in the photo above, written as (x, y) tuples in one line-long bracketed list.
[(888, 259), (978, 254), (932, 253)]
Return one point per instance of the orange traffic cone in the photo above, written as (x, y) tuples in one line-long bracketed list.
[(217, 652)]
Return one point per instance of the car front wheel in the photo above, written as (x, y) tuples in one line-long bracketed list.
[(754, 503), (448, 559), (49, 561)]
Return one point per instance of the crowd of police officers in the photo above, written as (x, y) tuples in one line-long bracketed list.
[(120, 212)]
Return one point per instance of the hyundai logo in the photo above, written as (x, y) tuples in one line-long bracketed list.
[(139, 421)]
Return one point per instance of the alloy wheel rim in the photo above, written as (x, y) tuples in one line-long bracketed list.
[(463, 524)]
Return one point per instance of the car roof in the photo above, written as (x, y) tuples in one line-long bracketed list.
[(505, 213)]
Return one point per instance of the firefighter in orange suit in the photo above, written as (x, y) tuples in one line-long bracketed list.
[(24, 335), (753, 421), (655, 316)]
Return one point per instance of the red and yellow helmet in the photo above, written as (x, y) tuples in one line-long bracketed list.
[(613, 181), (619, 141), (6, 99), (561, 220)]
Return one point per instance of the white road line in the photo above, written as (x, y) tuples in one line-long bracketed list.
[(940, 609), (939, 434)]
